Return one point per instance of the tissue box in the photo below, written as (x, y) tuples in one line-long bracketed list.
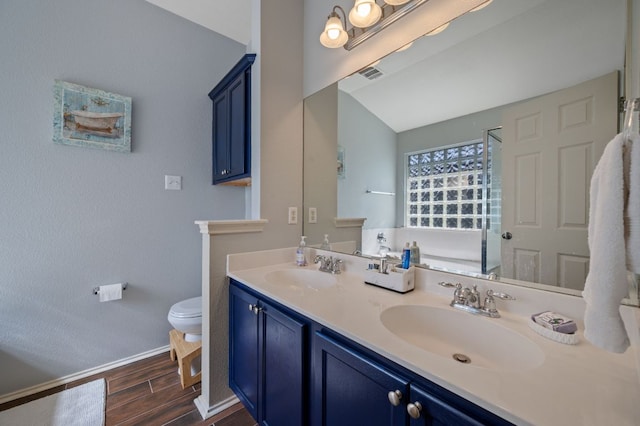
[(396, 279)]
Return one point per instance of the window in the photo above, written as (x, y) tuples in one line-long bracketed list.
[(444, 187)]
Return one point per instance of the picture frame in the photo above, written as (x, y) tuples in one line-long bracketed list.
[(341, 163), (91, 118)]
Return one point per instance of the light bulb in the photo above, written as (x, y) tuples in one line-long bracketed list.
[(333, 33), (363, 9)]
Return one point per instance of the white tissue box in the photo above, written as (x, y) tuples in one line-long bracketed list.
[(396, 279)]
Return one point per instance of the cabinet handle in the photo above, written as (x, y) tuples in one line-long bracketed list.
[(395, 397), (414, 409), (254, 308)]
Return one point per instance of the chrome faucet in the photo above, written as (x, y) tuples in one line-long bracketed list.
[(468, 300), (328, 264)]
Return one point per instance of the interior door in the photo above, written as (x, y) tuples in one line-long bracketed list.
[(551, 144)]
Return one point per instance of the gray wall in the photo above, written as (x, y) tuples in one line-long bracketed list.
[(74, 218), (370, 163)]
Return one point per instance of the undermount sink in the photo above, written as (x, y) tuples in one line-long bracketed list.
[(462, 337), (309, 278)]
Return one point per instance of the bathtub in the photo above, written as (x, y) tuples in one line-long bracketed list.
[(98, 121)]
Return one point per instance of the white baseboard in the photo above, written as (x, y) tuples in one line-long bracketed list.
[(206, 411), (81, 375)]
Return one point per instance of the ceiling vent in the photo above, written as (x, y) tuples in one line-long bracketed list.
[(370, 73)]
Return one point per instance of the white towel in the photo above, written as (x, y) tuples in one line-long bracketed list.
[(607, 284), (632, 211)]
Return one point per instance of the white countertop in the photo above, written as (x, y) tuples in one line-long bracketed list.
[(575, 385)]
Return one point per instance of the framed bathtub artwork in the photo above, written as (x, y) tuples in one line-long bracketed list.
[(91, 118), (341, 164)]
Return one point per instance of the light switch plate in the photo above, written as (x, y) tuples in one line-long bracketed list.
[(293, 216), (313, 215), (173, 182)]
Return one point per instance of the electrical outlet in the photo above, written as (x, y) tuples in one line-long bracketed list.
[(313, 215), (173, 182), (293, 215)]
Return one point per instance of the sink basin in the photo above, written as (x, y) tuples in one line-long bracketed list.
[(481, 342), (308, 278)]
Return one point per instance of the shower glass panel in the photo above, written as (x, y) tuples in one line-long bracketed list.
[(492, 196)]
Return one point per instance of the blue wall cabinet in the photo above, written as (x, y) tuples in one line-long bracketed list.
[(266, 360), (231, 127)]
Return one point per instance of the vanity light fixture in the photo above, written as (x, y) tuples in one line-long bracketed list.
[(482, 6), (405, 47), (368, 18), (438, 30), (334, 34), (395, 2)]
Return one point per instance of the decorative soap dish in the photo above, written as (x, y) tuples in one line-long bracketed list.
[(567, 339)]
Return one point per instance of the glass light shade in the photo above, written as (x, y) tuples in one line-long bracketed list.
[(482, 6), (395, 2), (365, 13), (438, 30), (405, 47), (334, 34)]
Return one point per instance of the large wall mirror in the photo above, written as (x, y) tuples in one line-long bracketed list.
[(477, 142)]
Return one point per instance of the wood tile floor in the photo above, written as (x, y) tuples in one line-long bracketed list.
[(148, 392)]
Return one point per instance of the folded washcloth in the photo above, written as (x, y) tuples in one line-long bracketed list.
[(632, 211), (607, 284)]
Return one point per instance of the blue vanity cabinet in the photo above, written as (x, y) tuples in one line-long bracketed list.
[(289, 370), (426, 410), (349, 389), (352, 385), (244, 348), (267, 368), (231, 127)]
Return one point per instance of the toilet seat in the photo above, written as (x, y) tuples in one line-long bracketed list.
[(189, 308)]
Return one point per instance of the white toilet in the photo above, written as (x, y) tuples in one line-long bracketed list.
[(186, 316)]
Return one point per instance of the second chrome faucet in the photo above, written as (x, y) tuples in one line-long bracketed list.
[(328, 264), (468, 300)]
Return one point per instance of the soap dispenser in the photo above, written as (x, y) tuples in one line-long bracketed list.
[(325, 244), (301, 259)]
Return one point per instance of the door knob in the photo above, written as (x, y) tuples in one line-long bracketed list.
[(507, 235), (414, 409)]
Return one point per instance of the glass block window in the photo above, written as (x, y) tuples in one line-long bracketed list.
[(444, 187)]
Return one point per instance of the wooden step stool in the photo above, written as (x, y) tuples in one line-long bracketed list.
[(185, 352)]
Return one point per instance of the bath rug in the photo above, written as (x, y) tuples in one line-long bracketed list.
[(79, 406)]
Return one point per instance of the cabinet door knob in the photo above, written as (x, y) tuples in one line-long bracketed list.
[(395, 397), (254, 308), (414, 409)]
